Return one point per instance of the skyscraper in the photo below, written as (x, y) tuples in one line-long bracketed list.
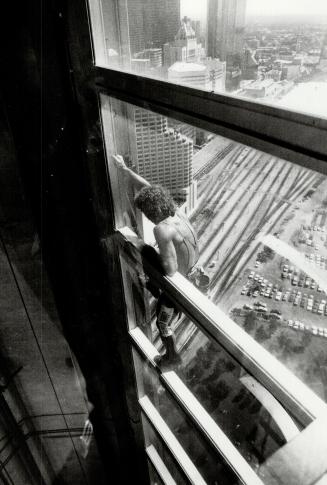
[(225, 29), (152, 23), (160, 154), (185, 47)]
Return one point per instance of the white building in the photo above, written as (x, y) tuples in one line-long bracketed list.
[(185, 47), (161, 154), (182, 50), (209, 75)]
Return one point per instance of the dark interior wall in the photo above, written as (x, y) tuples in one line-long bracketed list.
[(47, 156)]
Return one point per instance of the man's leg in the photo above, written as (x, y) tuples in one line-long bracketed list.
[(167, 316)]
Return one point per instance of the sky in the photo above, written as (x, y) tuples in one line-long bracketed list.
[(286, 7), (196, 9)]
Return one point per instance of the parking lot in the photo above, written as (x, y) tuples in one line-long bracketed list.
[(301, 303)]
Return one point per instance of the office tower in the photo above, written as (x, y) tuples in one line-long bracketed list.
[(187, 50), (140, 65), (159, 153), (196, 26), (152, 23), (249, 64), (185, 47), (146, 61), (209, 74), (225, 29)]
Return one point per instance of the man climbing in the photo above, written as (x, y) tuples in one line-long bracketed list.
[(178, 250)]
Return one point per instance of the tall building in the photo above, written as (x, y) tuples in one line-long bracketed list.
[(249, 64), (185, 47), (225, 29), (196, 26), (145, 61), (159, 153), (152, 23)]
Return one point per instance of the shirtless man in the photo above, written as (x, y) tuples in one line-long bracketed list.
[(178, 250)]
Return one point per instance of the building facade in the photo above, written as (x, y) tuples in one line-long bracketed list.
[(209, 74), (160, 154), (152, 23), (185, 47), (225, 28)]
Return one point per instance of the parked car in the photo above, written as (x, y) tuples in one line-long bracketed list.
[(262, 310), (247, 307)]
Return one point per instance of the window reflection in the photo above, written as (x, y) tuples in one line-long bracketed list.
[(211, 467)]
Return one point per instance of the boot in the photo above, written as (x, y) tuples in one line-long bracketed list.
[(170, 358)]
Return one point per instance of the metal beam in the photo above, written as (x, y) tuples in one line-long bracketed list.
[(296, 137)]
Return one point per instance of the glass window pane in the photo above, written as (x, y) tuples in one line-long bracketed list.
[(154, 440), (255, 423), (261, 225), (207, 461), (154, 476), (271, 53)]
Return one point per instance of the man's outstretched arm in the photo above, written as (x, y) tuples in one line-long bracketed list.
[(138, 181), (164, 237)]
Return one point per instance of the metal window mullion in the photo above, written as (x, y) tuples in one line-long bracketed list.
[(171, 442), (303, 403), (159, 466), (297, 137), (199, 416)]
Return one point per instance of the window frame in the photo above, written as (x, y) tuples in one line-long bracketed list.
[(296, 137), (295, 395)]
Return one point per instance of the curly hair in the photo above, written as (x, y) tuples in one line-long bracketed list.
[(155, 202)]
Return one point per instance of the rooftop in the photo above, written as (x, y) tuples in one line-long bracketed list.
[(187, 67)]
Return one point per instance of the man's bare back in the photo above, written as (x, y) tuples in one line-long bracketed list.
[(177, 244)]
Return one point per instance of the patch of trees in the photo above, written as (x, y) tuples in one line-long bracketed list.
[(250, 321), (265, 255), (288, 346), (262, 334)]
